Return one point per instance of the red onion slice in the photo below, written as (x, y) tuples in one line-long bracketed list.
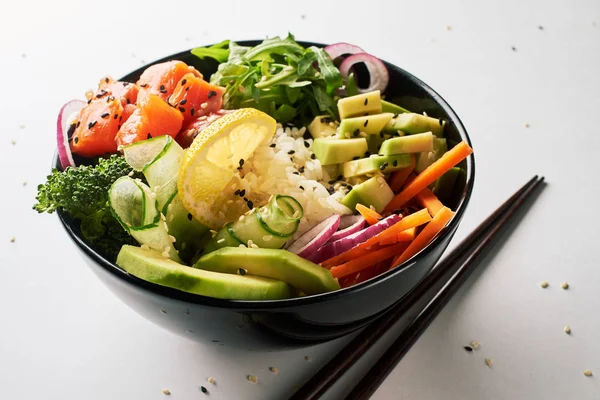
[(344, 244), (349, 224), (378, 73), (313, 239), (62, 131), (339, 49)]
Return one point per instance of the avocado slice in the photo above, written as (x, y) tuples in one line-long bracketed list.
[(360, 105), (151, 266), (279, 264), (386, 106), (334, 151), (417, 143), (372, 192), (322, 126), (376, 163), (368, 125), (415, 123)]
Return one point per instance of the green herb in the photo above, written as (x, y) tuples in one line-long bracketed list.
[(279, 76), (82, 193)]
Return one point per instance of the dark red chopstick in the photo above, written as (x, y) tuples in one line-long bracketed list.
[(377, 374), (412, 304)]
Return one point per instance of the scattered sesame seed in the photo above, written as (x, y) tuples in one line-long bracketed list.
[(272, 145), (448, 28), (192, 111), (488, 362), (211, 380), (204, 106), (12, 239), (366, 101), (189, 217), (250, 205), (291, 152), (544, 284), (307, 358), (211, 93), (366, 123), (313, 156), (203, 389), (565, 285), (266, 238), (274, 370), (540, 27), (588, 373), (163, 311), (243, 193), (252, 378), (166, 391), (182, 109), (567, 329), (220, 240), (468, 348), (75, 139), (213, 233), (13, 142), (475, 344), (25, 183), (105, 115), (92, 124), (527, 125), (182, 102), (514, 48)]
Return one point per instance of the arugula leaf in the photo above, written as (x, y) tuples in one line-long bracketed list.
[(306, 62), (333, 78), (219, 51), (323, 100), (274, 46), (236, 51)]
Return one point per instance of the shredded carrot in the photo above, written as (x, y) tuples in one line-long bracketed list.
[(403, 236), (399, 177), (361, 263), (410, 221), (426, 235), (371, 216), (427, 199), (430, 174)]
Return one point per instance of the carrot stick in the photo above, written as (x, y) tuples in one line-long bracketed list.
[(399, 177), (427, 199), (365, 274), (407, 235), (360, 263), (427, 234), (410, 221), (371, 216), (430, 174)]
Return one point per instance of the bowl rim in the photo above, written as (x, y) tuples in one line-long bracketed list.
[(176, 294)]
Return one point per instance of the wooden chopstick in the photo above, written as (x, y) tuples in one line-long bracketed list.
[(377, 374), (413, 303)]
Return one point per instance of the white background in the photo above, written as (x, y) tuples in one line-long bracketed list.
[(64, 336)]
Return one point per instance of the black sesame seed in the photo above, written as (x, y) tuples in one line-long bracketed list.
[(306, 135), (236, 192), (395, 116), (78, 123), (441, 122), (76, 139), (149, 136), (367, 154), (301, 170), (366, 101), (246, 199), (366, 123), (330, 190), (381, 135), (349, 187), (101, 93), (272, 145), (89, 101), (306, 144), (301, 187), (211, 93), (119, 127), (91, 124), (190, 217), (395, 163), (313, 156), (296, 173), (104, 115), (340, 177), (468, 348), (128, 101), (106, 79), (183, 82), (116, 116), (250, 204), (291, 152), (241, 271), (71, 130), (241, 162), (187, 88), (182, 109), (383, 166), (243, 192), (331, 181), (192, 111), (162, 87), (356, 158), (182, 102), (203, 389), (356, 132), (144, 85)]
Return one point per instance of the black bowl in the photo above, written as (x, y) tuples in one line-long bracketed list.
[(304, 321)]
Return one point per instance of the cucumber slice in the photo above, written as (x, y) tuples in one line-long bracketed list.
[(427, 158), (133, 205), (417, 143), (269, 226), (415, 123), (386, 107)]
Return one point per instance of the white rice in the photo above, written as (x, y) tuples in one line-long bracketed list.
[(271, 171)]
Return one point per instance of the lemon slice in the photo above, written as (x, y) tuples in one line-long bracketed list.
[(212, 160)]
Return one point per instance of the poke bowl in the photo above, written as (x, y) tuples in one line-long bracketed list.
[(272, 215)]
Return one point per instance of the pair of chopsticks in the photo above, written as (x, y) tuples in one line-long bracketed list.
[(433, 293)]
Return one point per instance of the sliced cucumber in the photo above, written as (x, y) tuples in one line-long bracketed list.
[(269, 226), (133, 205), (417, 143), (415, 123), (386, 106)]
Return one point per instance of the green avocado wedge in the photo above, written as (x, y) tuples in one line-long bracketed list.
[(279, 264), (151, 266)]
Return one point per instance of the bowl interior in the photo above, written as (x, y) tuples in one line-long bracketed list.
[(403, 89)]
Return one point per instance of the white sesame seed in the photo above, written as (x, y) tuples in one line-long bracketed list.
[(171, 217), (567, 329), (565, 285), (213, 233), (221, 215), (588, 373), (241, 218), (221, 240), (165, 254), (172, 238), (274, 370), (263, 78), (204, 106), (166, 391), (130, 173), (544, 284), (266, 238), (242, 245), (488, 362), (12, 239), (145, 247), (475, 344), (331, 124), (250, 242), (254, 246), (211, 380), (252, 378), (162, 216), (153, 195)]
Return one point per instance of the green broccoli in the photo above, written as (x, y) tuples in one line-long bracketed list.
[(82, 193)]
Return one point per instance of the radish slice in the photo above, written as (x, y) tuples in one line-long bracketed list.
[(349, 224), (344, 244), (378, 73), (63, 124), (339, 49), (311, 241)]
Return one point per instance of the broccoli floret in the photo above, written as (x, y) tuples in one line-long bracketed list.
[(82, 193)]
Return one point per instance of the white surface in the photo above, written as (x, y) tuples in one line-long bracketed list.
[(64, 336)]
